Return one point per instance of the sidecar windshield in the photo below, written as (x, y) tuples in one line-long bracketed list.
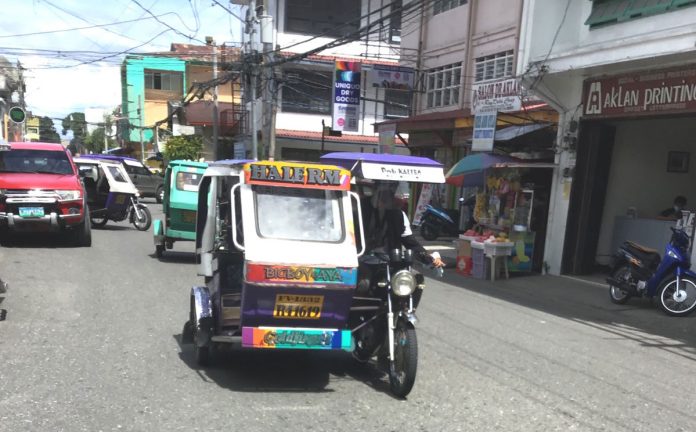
[(299, 214)]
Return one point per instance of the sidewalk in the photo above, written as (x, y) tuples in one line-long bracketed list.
[(576, 299)]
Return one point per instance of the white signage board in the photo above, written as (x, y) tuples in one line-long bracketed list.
[(423, 201), (484, 131), (346, 96), (502, 96), (378, 171), (392, 77)]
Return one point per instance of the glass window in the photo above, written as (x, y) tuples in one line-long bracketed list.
[(186, 181), (333, 18), (117, 175), (299, 214), (440, 6), (307, 91), (171, 81), (494, 66), (397, 103), (35, 161), (443, 84)]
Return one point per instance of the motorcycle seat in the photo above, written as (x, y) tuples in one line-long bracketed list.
[(642, 248), (649, 256)]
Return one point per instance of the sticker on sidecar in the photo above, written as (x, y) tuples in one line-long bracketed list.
[(298, 306)]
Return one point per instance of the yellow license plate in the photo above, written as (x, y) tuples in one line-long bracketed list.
[(188, 216), (298, 306), (120, 199)]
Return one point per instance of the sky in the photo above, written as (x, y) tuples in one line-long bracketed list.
[(57, 84)]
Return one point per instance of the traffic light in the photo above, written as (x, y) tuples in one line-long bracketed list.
[(17, 114)]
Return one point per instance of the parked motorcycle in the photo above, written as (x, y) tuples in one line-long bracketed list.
[(438, 221), (641, 272)]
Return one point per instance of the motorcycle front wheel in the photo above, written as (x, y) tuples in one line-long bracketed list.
[(143, 222), (98, 221), (617, 294), (402, 370), (678, 301)]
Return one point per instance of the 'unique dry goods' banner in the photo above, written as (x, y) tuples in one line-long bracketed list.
[(645, 93)]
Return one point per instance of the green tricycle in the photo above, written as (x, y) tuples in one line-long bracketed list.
[(179, 204)]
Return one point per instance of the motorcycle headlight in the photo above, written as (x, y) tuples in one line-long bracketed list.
[(137, 194), (68, 195), (403, 283)]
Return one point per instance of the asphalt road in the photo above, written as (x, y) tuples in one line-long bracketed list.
[(91, 344)]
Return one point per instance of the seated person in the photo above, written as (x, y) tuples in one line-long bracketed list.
[(674, 212)]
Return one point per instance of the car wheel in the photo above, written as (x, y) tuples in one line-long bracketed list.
[(159, 195), (83, 234)]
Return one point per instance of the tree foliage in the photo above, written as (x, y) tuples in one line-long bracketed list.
[(183, 147), (47, 130), (94, 141), (77, 124)]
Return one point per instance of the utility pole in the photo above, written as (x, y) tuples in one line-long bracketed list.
[(251, 29), (269, 90), (216, 114), (140, 120)]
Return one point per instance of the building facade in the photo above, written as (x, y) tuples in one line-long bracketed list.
[(622, 76)]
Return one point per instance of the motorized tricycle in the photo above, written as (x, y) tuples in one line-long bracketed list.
[(111, 195), (180, 201), (277, 244)]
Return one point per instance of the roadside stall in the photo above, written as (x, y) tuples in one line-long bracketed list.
[(510, 213)]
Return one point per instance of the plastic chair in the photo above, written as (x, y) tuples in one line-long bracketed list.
[(496, 252)]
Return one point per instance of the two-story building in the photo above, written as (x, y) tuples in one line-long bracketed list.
[(622, 75), (154, 87)]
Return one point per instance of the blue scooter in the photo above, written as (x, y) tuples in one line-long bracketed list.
[(641, 272), (437, 221)]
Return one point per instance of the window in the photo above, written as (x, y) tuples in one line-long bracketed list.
[(307, 92), (333, 18), (35, 161), (116, 174), (171, 81), (443, 85), (298, 214), (440, 6), (494, 66), (186, 181), (397, 103), (606, 12), (395, 22)]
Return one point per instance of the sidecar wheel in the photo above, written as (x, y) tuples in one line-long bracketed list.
[(143, 223), (98, 222), (402, 371), (159, 250), (202, 354), (678, 302)]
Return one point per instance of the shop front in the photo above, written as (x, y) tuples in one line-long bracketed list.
[(634, 151)]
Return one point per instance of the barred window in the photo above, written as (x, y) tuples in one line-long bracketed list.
[(494, 66), (443, 85)]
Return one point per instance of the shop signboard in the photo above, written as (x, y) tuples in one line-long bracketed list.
[(391, 77), (346, 96), (484, 131), (502, 96), (423, 200), (386, 137), (668, 91), (239, 150)]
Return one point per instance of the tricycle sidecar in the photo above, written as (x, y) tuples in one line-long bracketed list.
[(179, 204)]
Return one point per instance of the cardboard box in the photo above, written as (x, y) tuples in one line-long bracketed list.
[(463, 248)]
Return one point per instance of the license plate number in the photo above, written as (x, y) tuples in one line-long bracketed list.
[(31, 212), (298, 306)]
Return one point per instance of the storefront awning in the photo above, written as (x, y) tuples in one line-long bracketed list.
[(512, 132)]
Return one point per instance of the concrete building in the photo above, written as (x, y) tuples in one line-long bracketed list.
[(623, 78)]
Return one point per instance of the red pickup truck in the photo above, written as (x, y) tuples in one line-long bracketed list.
[(40, 190)]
